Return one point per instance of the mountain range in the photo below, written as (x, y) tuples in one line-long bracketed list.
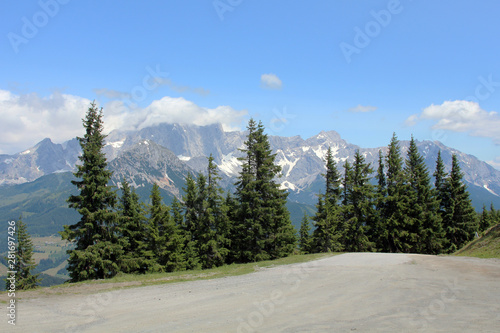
[(166, 153)]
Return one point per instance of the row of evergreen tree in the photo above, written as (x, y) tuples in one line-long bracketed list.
[(403, 212), (207, 229)]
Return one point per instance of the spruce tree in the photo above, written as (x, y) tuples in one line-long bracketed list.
[(264, 230), (231, 208), (359, 205), (377, 234), (440, 185), (190, 223), (97, 253), (133, 229), (165, 239), (332, 178), (22, 263), (305, 235), (329, 229), (423, 211), (398, 237), (485, 219), (459, 221), (494, 215), (213, 227)]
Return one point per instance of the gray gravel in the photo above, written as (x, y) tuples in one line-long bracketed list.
[(358, 292)]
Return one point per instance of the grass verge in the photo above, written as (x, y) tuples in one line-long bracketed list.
[(488, 246)]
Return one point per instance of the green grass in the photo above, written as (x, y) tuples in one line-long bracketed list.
[(488, 246)]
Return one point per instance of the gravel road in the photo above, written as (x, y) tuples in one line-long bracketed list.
[(358, 292)]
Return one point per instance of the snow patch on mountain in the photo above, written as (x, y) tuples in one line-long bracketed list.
[(230, 164), (489, 190), (285, 163), (286, 185)]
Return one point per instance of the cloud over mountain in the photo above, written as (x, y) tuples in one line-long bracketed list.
[(29, 118)]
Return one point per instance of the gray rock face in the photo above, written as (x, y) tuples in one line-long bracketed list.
[(42, 159), (149, 163), (167, 151)]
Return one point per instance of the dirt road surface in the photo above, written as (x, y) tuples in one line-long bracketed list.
[(359, 292)]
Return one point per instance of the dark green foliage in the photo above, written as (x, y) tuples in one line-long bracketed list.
[(486, 219), (210, 216), (97, 253), (398, 235), (459, 218), (305, 235), (165, 240), (329, 234), (190, 223), (332, 178), (133, 231), (22, 263), (263, 229), (377, 233), (423, 211), (359, 201), (330, 229)]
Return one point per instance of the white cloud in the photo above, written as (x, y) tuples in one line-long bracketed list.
[(495, 162), (179, 110), (412, 120), (28, 119), (362, 108), (270, 81), (461, 116)]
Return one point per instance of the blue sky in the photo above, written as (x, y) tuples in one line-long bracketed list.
[(365, 69)]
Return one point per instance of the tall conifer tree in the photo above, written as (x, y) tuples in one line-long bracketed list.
[(305, 235), (190, 223), (265, 230), (165, 239), (359, 205), (24, 263), (97, 253), (329, 227), (424, 208), (133, 229), (459, 221), (377, 234), (398, 236)]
